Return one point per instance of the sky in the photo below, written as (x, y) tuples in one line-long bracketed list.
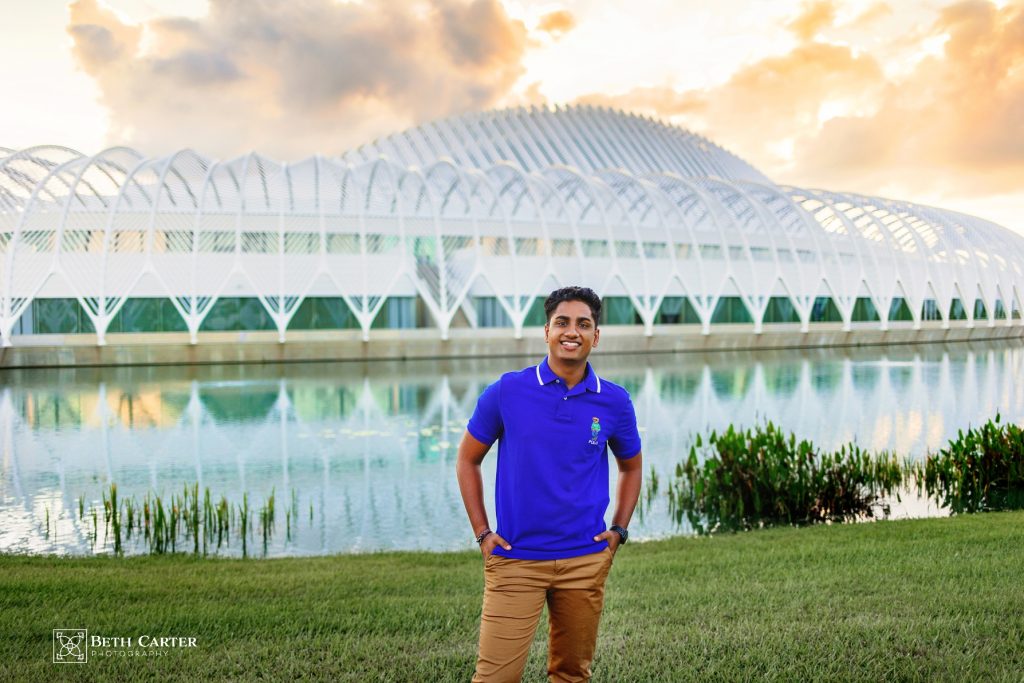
[(920, 100)]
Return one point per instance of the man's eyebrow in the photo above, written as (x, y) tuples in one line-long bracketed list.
[(579, 319)]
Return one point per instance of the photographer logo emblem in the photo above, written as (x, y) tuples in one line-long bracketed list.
[(70, 646)]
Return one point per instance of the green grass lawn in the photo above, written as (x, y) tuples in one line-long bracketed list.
[(937, 599)]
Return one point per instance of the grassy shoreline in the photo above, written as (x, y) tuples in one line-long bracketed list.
[(932, 599)]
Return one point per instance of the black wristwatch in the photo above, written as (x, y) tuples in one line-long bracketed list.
[(623, 534)]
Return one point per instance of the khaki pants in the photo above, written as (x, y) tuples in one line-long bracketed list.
[(514, 594)]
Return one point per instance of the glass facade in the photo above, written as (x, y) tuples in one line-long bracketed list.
[(899, 311), (619, 310), (235, 314), (731, 309), (60, 316), (247, 314), (324, 313), (677, 310), (780, 310), (864, 311), (824, 311)]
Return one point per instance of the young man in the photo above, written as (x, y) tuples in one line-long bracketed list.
[(554, 422)]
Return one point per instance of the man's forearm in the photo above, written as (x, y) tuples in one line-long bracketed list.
[(471, 485), (627, 493)]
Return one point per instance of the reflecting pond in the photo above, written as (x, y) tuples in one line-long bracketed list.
[(365, 452)]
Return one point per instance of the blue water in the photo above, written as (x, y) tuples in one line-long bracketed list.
[(370, 448)]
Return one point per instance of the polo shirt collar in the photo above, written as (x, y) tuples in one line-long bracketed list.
[(545, 375)]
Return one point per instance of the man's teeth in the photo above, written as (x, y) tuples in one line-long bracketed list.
[(571, 344)]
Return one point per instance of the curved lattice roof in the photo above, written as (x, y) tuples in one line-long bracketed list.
[(586, 138)]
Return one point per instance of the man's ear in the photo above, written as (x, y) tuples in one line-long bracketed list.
[(597, 336), (546, 326)]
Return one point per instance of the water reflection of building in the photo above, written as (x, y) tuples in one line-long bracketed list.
[(464, 224), (372, 447)]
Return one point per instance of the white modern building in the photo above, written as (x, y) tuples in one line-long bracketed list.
[(468, 223)]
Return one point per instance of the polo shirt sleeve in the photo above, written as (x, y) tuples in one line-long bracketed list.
[(486, 425), (625, 442)]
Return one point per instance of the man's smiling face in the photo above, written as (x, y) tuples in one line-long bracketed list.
[(571, 332)]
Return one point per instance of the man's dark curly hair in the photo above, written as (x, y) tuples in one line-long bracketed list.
[(584, 294)]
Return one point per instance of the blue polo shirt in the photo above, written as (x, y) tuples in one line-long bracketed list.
[(551, 489)]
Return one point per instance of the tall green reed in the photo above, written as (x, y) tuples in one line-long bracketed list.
[(982, 469), (762, 476), (162, 523)]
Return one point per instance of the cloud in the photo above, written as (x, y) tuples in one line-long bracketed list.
[(557, 23), (877, 11), (764, 103), (814, 17), (955, 124), (294, 79), (828, 115)]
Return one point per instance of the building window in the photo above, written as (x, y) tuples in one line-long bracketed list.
[(677, 310), (806, 256), (424, 248), (980, 312), (454, 243), (619, 310), (259, 242), (527, 246), (825, 310), (930, 310), (730, 310), (301, 243), (626, 249), (780, 310), (563, 248), (323, 313), (381, 244), (220, 242), (398, 313), (147, 314), (595, 248), (60, 316), (712, 252), (535, 317), (237, 314), (342, 243), (494, 246), (899, 311), (864, 311), (957, 311), (655, 250), (490, 313)]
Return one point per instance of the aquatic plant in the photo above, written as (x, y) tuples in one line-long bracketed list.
[(982, 469), (762, 476), (243, 514), (161, 523), (648, 494)]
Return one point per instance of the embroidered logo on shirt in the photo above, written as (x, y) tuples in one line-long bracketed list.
[(595, 429)]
